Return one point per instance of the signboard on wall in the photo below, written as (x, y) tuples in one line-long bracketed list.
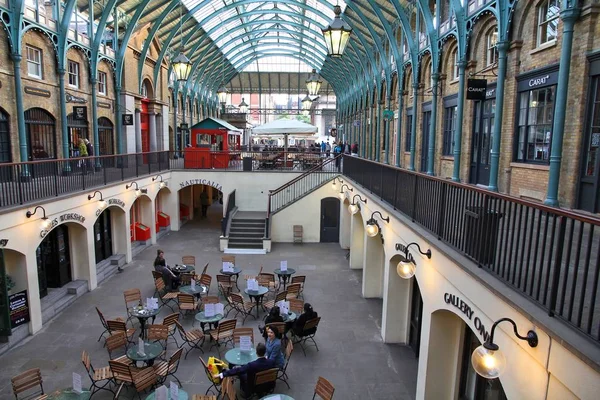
[(127, 119), (333, 132), (80, 113), (476, 89), (19, 309)]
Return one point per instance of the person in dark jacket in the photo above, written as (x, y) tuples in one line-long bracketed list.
[(160, 265), (248, 372), (274, 316), (307, 315)]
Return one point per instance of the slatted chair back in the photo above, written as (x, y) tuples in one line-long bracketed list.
[(210, 299), (228, 390), (116, 341), (301, 279), (174, 360), (236, 299), (143, 379), (160, 286), (228, 258), (311, 323), (239, 332), (205, 280), (87, 363), (133, 297), (188, 260), (156, 275), (224, 280), (116, 326), (204, 397), (121, 371), (186, 301), (169, 320), (186, 279), (294, 290), (267, 376), (266, 279), (225, 327), (289, 349), (204, 269), (297, 306), (324, 389), (102, 319), (158, 332), (281, 296), (209, 375), (280, 326), (26, 381)]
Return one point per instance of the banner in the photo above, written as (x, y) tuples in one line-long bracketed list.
[(476, 89)]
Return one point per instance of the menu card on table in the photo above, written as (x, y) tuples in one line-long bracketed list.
[(227, 266), (209, 310), (219, 308), (284, 306), (283, 266), (141, 347), (174, 389), (245, 343), (193, 284), (76, 383), (151, 303), (161, 393), (252, 285)]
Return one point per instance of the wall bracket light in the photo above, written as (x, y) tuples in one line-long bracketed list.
[(337, 178), (343, 193), (407, 266), (373, 226), (355, 207), (487, 359), (138, 191), (45, 221), (162, 184), (101, 203)]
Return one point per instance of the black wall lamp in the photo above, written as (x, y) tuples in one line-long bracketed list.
[(354, 207), (407, 266), (138, 191), (45, 221), (334, 179), (373, 226), (488, 361), (101, 203), (161, 184), (343, 193)]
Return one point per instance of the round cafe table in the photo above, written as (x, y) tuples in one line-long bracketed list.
[(236, 273), (284, 275), (152, 351), (289, 317), (257, 295), (238, 357), (182, 394), (274, 396), (198, 291), (200, 317), (142, 315), (183, 269), (69, 394)]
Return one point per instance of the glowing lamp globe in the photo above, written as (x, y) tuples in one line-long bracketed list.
[(162, 185), (137, 192), (488, 361), (313, 83), (406, 269), (342, 195), (182, 67), (353, 208), (46, 223), (102, 204), (222, 93), (372, 230), (337, 34)]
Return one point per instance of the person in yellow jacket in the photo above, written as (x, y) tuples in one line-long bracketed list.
[(82, 152)]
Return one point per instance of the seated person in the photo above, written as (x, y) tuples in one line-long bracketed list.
[(171, 280), (248, 372), (273, 344), (274, 316), (307, 315)]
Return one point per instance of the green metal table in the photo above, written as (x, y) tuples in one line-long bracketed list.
[(277, 397), (198, 291), (257, 295), (289, 317), (69, 394), (238, 357), (208, 320), (142, 315), (284, 275), (152, 351), (183, 269)]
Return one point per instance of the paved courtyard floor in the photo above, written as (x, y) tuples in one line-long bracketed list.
[(352, 355)]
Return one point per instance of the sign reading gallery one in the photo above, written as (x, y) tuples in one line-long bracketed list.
[(68, 217), (201, 182), (466, 309)]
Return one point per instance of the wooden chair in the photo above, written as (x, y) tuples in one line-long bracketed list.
[(239, 332), (104, 324), (165, 297), (117, 343), (165, 369), (156, 275), (204, 269), (301, 279), (280, 326), (324, 389), (223, 333), (228, 258), (293, 290), (297, 306), (188, 260), (264, 382), (297, 233), (281, 296), (133, 297), (120, 326), (186, 279), (194, 338), (32, 378), (160, 334), (216, 386), (100, 377), (241, 306), (143, 379), (246, 277), (122, 375), (205, 280), (282, 374), (307, 333), (210, 299), (267, 280), (225, 284), (187, 303), (227, 389), (169, 322), (204, 397)]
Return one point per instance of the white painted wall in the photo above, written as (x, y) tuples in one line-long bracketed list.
[(128, 102)]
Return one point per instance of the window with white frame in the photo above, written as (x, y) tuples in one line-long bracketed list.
[(102, 82), (34, 62), (455, 65), (534, 130), (73, 69), (491, 55), (547, 29)]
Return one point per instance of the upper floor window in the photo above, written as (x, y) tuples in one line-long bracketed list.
[(548, 13), (145, 90), (102, 82), (455, 65), (491, 55), (534, 130), (449, 130), (73, 74), (34, 62)]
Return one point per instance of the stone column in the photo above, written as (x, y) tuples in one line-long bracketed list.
[(152, 130), (138, 131), (413, 129), (435, 78)]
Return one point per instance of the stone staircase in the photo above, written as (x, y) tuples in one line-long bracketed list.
[(246, 233), (60, 298), (107, 268)]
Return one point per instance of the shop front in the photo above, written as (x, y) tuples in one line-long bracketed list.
[(54, 260)]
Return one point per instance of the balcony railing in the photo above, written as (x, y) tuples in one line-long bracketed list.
[(547, 254)]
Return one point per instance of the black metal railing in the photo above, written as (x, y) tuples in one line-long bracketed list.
[(22, 183), (548, 254), (230, 207)]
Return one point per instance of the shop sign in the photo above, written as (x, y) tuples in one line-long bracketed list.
[(466, 309), (3, 242), (61, 219), (19, 309), (104, 105), (490, 94), (80, 113), (74, 99), (476, 89), (111, 202), (37, 92), (537, 81), (127, 119), (201, 182)]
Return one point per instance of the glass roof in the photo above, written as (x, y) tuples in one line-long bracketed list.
[(255, 28)]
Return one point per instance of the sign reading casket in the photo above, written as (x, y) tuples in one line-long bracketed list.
[(476, 89)]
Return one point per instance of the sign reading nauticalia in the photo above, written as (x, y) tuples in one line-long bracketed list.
[(201, 182), (466, 309)]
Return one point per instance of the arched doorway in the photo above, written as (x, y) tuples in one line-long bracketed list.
[(13, 271), (5, 149), (105, 136), (103, 236), (357, 243), (140, 220), (202, 204), (53, 257), (163, 220), (396, 305), (78, 129), (330, 220), (41, 136)]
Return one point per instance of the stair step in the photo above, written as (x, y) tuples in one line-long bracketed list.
[(249, 224), (244, 245), (245, 237), (247, 231), (250, 219), (245, 240)]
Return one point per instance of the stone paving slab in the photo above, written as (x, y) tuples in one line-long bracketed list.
[(352, 355)]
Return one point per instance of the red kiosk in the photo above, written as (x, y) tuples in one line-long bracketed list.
[(212, 143)]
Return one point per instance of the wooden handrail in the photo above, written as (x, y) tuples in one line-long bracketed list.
[(56, 160), (317, 167)]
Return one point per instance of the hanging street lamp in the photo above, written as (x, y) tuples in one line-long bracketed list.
[(182, 67), (337, 34), (313, 83), (306, 103), (243, 107)]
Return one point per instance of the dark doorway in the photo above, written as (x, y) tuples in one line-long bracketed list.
[(588, 197), (426, 125), (102, 236), (416, 316), (483, 125), (54, 260), (330, 220)]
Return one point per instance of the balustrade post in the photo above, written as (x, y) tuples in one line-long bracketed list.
[(557, 265), (442, 211)]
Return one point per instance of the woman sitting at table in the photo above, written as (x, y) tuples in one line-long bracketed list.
[(171, 280), (274, 316), (273, 344), (307, 315)]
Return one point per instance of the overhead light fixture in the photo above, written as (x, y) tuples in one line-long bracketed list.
[(372, 225), (161, 183), (487, 359), (306, 113), (138, 191), (243, 106), (182, 66), (306, 102), (46, 223), (343, 192), (313, 83), (337, 178), (101, 203), (222, 93), (355, 207), (337, 34), (407, 266)]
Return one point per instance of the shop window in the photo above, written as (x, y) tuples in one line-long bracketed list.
[(534, 130), (102, 82), (491, 54), (41, 134), (4, 138), (73, 68), (547, 29), (449, 130), (592, 152), (105, 136), (34, 62), (408, 135)]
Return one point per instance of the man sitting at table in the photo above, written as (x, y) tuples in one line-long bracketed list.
[(248, 372)]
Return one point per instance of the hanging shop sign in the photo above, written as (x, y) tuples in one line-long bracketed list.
[(80, 113), (476, 89), (74, 99), (19, 309), (184, 127), (127, 119), (201, 182), (469, 312)]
